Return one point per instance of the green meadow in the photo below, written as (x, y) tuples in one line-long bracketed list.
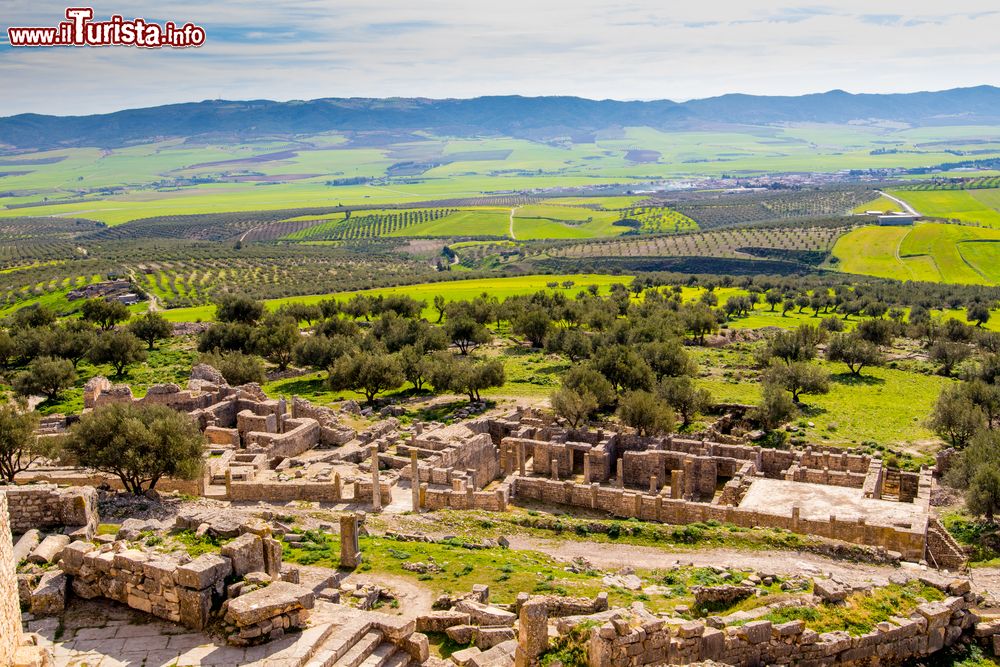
[(931, 252)]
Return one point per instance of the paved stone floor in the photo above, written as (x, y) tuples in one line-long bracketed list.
[(820, 501), (106, 634)]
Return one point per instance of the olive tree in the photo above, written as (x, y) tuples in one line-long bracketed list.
[(139, 444)]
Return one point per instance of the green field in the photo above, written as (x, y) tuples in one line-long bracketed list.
[(926, 252), (981, 207), (454, 290), (122, 184)]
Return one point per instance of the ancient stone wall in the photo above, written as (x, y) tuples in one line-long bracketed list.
[(631, 642), (436, 499), (46, 506), (10, 610), (323, 492), (910, 542)]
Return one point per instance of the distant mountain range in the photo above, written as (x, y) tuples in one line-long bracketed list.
[(528, 117)]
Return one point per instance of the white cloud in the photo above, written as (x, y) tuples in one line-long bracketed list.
[(638, 49)]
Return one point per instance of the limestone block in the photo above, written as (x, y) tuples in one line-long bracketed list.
[(246, 553), (418, 648), (533, 632), (28, 543), (74, 556), (49, 596), (440, 621), (465, 657), (265, 603), (487, 638), (829, 590), (203, 572), (461, 634), (49, 550), (195, 606), (483, 614)]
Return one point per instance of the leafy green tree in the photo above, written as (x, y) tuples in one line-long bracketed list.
[(439, 306), (623, 368), (275, 339), (226, 337), (236, 367), (534, 324), (646, 413), (370, 372), (301, 312), (955, 418), (46, 376), (33, 317), (798, 378), (72, 340), (105, 313), (854, 351), (19, 446), (466, 334), (668, 359), (573, 406), (150, 328), (583, 378), (775, 407), (140, 444), (320, 352), (120, 349), (948, 355), (238, 308), (684, 397), (472, 377), (982, 498), (978, 313)]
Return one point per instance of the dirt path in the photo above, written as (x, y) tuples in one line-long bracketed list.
[(779, 562), (512, 212), (906, 207)]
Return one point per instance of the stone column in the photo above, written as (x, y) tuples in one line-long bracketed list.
[(654, 484), (376, 487), (621, 473), (520, 459), (676, 483), (532, 634), (350, 553), (586, 468), (415, 481), (338, 487), (554, 469)]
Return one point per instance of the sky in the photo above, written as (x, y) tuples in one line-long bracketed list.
[(624, 49)]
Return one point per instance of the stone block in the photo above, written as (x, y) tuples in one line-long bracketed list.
[(417, 647), (830, 590), (49, 550), (487, 638), (194, 607), (440, 621), (203, 572), (482, 614), (757, 632), (26, 544), (268, 602), (461, 634), (246, 553), (49, 596)]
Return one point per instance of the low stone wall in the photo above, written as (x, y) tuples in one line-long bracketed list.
[(158, 584), (46, 506), (629, 642), (909, 542), (439, 499), (79, 477), (322, 492), (300, 435)]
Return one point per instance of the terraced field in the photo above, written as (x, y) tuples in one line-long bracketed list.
[(927, 252)]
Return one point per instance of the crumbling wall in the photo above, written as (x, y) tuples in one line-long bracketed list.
[(624, 642), (46, 506), (437, 499), (10, 610), (909, 541)]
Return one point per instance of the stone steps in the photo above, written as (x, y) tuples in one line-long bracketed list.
[(339, 642), (381, 656), (360, 651)]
